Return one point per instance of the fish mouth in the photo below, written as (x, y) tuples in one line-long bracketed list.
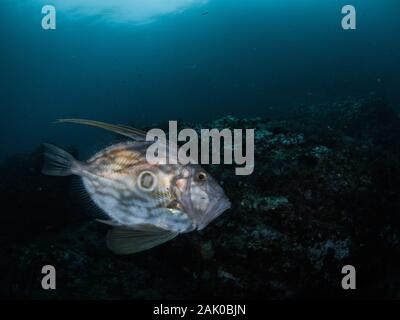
[(220, 205)]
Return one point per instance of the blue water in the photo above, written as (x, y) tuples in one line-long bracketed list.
[(207, 60)]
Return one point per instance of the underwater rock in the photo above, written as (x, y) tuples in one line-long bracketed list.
[(366, 119), (226, 276), (207, 250), (273, 203), (264, 203), (267, 233), (325, 192), (320, 151), (318, 253)]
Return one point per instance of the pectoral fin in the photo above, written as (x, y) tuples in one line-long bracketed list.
[(123, 240)]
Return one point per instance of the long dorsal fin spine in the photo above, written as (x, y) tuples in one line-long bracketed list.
[(127, 131)]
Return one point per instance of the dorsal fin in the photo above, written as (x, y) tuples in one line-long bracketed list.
[(129, 132)]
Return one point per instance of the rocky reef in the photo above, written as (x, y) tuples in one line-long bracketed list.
[(325, 192)]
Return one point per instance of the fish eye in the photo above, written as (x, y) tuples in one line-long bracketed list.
[(201, 176), (147, 181)]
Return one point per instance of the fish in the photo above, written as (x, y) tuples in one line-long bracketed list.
[(146, 204)]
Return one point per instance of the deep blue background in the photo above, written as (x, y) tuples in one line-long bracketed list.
[(244, 58)]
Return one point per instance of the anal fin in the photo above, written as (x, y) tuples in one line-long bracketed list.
[(108, 222), (128, 240)]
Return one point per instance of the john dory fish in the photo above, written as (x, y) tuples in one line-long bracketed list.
[(147, 204)]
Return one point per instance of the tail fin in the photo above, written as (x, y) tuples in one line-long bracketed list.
[(57, 162)]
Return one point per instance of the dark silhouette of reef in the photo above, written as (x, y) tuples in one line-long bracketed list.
[(325, 193)]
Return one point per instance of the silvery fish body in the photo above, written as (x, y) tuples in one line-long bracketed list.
[(148, 204)]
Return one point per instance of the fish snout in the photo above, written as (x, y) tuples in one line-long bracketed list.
[(215, 209)]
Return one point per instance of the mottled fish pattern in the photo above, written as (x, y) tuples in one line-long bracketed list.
[(147, 204)]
